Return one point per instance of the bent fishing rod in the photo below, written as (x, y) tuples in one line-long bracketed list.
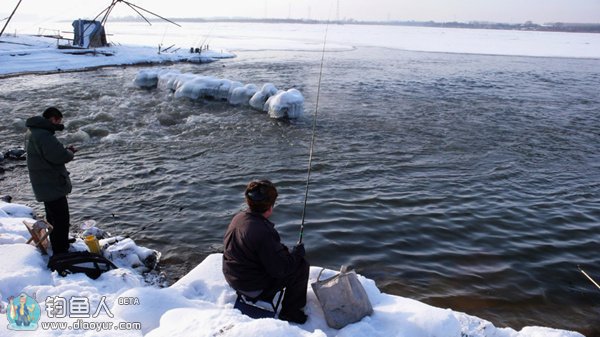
[(312, 140)]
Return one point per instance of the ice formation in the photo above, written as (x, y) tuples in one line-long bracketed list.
[(242, 95), (278, 103), (260, 98), (288, 104)]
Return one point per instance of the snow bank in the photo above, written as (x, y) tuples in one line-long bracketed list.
[(15, 210), (26, 54), (21, 264), (278, 103), (201, 302)]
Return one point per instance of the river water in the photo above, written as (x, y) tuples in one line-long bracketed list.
[(465, 181)]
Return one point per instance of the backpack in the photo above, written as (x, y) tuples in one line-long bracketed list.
[(93, 265)]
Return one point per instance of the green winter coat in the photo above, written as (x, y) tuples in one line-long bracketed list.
[(46, 159)]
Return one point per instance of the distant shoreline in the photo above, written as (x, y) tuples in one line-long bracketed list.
[(527, 26)]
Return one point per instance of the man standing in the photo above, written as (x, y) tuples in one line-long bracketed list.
[(46, 159), (256, 263)]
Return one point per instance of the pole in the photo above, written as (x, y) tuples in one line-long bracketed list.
[(10, 17)]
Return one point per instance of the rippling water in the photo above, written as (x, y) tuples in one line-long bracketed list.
[(469, 182)]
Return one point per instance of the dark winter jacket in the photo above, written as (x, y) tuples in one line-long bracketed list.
[(46, 159), (253, 253)]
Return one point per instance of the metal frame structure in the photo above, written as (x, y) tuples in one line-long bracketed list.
[(136, 8)]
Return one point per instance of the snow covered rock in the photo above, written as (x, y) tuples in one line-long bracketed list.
[(15, 210)]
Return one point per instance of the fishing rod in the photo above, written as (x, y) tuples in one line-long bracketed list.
[(312, 141), (588, 276)]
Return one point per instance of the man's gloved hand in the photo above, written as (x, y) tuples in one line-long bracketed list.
[(299, 250)]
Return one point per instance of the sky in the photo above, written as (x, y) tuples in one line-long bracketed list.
[(507, 11)]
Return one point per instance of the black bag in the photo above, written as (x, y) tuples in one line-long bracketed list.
[(93, 265)]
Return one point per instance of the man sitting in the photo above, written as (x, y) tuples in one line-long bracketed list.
[(256, 263)]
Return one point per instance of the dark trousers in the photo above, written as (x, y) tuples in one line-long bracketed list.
[(57, 214), (295, 289)]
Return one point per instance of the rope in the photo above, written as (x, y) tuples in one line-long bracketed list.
[(312, 141)]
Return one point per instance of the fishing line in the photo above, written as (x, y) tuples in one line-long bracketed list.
[(206, 37), (116, 239), (312, 141), (164, 33)]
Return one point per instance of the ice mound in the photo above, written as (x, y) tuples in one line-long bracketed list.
[(124, 253), (147, 78), (260, 98), (205, 87), (278, 103), (241, 95), (288, 104)]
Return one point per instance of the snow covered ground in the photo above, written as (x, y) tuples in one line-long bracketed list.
[(122, 302), (30, 54)]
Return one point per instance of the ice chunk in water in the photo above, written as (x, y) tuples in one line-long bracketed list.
[(286, 104), (204, 87), (242, 95), (147, 78), (259, 99)]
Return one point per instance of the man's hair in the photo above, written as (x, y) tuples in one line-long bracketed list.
[(260, 195), (52, 112)]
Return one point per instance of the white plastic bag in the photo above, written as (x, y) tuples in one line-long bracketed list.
[(343, 299)]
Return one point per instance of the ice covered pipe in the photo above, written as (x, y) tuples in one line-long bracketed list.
[(242, 95), (286, 104), (205, 87), (278, 103), (147, 78), (259, 99)]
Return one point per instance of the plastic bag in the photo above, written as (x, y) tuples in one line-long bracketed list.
[(343, 298)]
